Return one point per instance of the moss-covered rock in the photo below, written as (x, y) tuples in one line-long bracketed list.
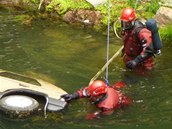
[(80, 11), (24, 19), (29, 5)]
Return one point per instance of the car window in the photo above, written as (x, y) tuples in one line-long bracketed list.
[(20, 78)]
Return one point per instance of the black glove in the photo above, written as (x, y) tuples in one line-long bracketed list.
[(140, 58), (69, 97), (133, 63)]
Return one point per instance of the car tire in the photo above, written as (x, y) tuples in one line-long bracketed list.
[(18, 106)]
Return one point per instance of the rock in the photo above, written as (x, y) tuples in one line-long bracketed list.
[(19, 4), (164, 16), (95, 3), (167, 2), (9, 2), (88, 17), (69, 17)]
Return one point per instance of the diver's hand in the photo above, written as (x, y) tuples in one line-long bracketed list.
[(69, 97), (131, 64)]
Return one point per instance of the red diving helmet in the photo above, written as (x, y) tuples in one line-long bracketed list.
[(97, 88), (127, 17)]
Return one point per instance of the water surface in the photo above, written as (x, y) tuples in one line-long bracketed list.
[(69, 57)]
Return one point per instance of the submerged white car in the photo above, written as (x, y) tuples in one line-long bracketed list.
[(21, 95)]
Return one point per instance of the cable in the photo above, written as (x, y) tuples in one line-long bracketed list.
[(107, 49), (114, 29)]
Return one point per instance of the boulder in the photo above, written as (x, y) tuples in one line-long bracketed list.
[(88, 17), (95, 3), (164, 16), (167, 2)]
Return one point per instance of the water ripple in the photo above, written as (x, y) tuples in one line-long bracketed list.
[(8, 42), (2, 56)]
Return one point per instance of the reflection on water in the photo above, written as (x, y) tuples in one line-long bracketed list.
[(69, 57)]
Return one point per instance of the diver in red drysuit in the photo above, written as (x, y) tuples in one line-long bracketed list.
[(106, 98), (138, 47)]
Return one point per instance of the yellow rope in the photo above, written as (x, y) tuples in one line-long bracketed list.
[(104, 67)]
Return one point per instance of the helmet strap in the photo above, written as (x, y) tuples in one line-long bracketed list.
[(101, 99), (129, 28)]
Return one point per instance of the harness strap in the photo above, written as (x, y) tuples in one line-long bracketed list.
[(138, 26)]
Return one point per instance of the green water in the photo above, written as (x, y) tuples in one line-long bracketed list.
[(69, 57)]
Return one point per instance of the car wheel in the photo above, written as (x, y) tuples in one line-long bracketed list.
[(18, 106)]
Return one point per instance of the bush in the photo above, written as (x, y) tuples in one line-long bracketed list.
[(166, 33)]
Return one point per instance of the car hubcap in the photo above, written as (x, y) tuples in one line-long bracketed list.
[(18, 101)]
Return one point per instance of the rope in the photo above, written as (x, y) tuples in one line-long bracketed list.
[(104, 67), (108, 61), (107, 50)]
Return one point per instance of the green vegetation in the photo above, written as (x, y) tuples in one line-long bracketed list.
[(24, 19), (35, 1), (151, 8), (115, 10), (21, 17), (62, 6), (145, 9), (166, 33)]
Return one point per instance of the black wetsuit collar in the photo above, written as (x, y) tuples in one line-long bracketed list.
[(101, 99)]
